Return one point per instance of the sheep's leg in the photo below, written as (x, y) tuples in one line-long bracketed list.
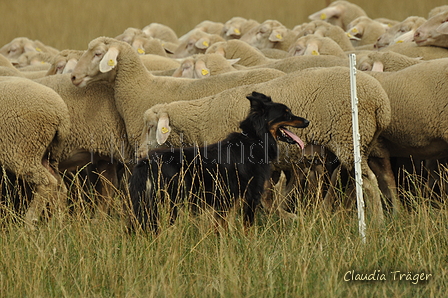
[(107, 172), (52, 191), (386, 181), (274, 205), (267, 200), (373, 198), (330, 196)]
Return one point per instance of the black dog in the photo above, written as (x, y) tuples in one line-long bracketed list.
[(219, 174)]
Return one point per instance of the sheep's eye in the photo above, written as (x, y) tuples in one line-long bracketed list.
[(98, 54), (365, 67)]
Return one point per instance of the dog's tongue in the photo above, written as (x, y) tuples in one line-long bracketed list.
[(294, 137)]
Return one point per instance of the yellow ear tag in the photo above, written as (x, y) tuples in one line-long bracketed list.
[(141, 51), (349, 35), (237, 31), (354, 30), (111, 62), (399, 41), (323, 16), (164, 129), (38, 49), (204, 72), (205, 43), (42, 62), (315, 53), (279, 36)]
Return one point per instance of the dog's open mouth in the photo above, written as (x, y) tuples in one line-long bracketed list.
[(288, 136)]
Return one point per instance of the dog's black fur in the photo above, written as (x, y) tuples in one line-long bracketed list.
[(219, 174)]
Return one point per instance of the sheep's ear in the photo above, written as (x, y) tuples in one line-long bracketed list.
[(109, 60), (201, 69), (202, 43), (378, 66), (312, 49), (29, 47), (233, 61), (69, 66), (276, 36), (443, 28), (326, 13), (163, 128), (221, 51)]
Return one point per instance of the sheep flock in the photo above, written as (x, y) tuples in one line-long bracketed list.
[(90, 114)]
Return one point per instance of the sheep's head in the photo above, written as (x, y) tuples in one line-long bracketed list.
[(265, 35), (306, 45), (433, 32), (155, 132), (98, 63), (401, 32), (17, 47)]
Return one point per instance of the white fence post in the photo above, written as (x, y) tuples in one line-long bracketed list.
[(356, 147)]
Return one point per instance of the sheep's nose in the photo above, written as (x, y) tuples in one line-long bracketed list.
[(73, 78), (416, 34)]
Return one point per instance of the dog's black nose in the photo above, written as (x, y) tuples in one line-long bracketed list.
[(306, 122)]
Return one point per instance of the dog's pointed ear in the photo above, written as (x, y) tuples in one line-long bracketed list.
[(163, 128), (258, 100)]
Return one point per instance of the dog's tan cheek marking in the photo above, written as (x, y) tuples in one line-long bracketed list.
[(273, 129)]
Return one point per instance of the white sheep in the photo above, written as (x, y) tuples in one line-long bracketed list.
[(365, 31), (196, 42), (162, 32), (34, 125), (388, 22), (129, 34), (271, 34), (200, 66), (210, 27), (295, 63), (21, 45), (253, 58), (98, 133), (64, 62), (149, 45), (339, 13), (157, 62), (237, 49), (316, 45), (383, 61), (411, 49), (401, 32), (437, 10), (136, 90), (434, 32), (324, 29), (236, 27), (419, 108), (43, 59), (206, 120)]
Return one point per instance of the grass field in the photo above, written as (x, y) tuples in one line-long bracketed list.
[(82, 254), (318, 255)]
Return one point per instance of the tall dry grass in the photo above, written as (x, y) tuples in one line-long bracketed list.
[(85, 253), (72, 24)]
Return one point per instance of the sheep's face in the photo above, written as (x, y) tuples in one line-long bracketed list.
[(307, 45), (265, 35), (433, 32), (96, 64)]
